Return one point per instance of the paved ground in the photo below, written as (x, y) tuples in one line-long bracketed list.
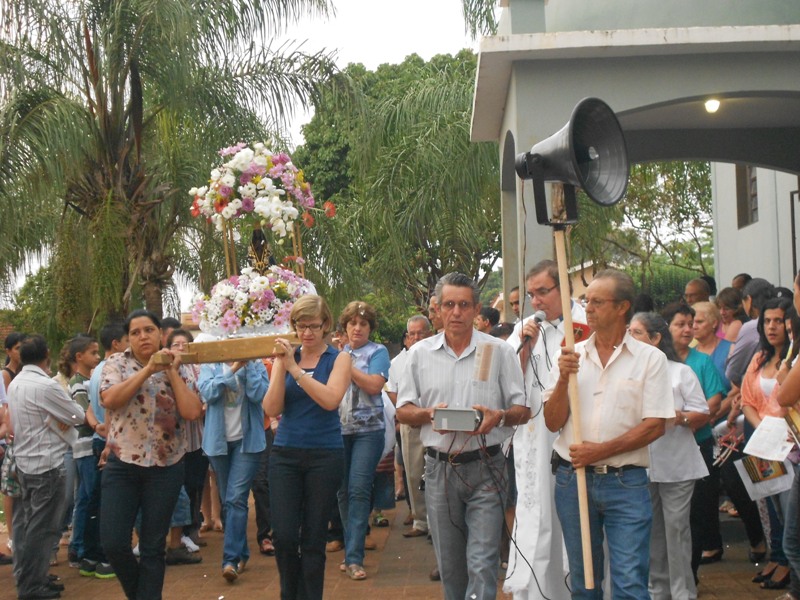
[(398, 569)]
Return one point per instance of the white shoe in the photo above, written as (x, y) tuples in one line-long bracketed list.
[(10, 544), (136, 550), (190, 545)]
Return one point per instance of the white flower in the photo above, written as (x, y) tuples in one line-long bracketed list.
[(279, 227), (248, 190), (241, 298), (228, 179), (228, 212), (242, 160), (215, 174)]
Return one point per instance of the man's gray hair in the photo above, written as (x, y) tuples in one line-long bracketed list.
[(419, 319), (624, 288), (458, 280)]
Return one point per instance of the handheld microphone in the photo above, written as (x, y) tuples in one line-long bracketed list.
[(538, 317)]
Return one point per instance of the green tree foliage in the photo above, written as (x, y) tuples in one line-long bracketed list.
[(416, 199), (664, 219), (112, 110)]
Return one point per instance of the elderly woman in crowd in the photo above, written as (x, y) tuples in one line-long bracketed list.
[(147, 403), (233, 439), (307, 460), (675, 464), (362, 417)]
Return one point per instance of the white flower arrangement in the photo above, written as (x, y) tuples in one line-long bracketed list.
[(251, 303)]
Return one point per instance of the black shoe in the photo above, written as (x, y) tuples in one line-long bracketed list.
[(5, 559), (712, 558), (54, 585), (434, 575)]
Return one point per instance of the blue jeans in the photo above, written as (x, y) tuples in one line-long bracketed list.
[(91, 533), (87, 474), (127, 488), (38, 515), (620, 508), (235, 472), (69, 492), (303, 484), (466, 505), (791, 532), (362, 452)]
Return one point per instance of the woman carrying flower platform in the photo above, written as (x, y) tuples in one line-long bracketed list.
[(306, 464), (233, 439)]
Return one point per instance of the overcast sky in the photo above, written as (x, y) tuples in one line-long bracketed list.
[(378, 32)]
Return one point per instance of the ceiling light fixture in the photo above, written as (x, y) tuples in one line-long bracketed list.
[(712, 105)]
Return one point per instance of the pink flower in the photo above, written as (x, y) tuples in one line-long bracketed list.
[(231, 150), (248, 205)]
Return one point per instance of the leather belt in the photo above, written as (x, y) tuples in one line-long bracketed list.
[(599, 469), (463, 457)]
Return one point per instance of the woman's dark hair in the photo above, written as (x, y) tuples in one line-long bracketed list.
[(767, 349), (794, 320), (356, 308), (676, 308), (12, 339), (178, 333), (656, 324), (141, 312), (731, 298)]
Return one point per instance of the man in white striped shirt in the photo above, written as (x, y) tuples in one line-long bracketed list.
[(465, 472), (43, 416)]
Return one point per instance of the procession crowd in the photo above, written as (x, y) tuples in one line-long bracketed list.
[(127, 461)]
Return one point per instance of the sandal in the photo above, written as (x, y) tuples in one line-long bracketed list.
[(266, 547), (356, 572), (342, 566)]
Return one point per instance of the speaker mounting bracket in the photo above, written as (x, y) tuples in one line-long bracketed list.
[(536, 172)]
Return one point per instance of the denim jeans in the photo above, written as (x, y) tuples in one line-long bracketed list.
[(466, 505), (620, 509), (91, 533), (303, 484), (791, 532), (235, 472), (87, 474), (362, 452), (37, 520), (196, 466), (127, 488), (261, 492), (71, 473)]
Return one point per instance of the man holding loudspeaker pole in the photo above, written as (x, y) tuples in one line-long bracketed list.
[(624, 396)]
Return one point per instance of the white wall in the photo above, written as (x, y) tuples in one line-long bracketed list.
[(763, 249)]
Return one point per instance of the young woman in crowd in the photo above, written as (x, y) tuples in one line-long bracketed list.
[(760, 388)]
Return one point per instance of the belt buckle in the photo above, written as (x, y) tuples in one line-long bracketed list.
[(601, 469)]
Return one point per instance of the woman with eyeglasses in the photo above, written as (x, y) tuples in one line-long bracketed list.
[(233, 439), (675, 465), (363, 430), (307, 459)]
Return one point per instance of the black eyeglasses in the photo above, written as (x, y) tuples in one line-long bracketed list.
[(541, 292)]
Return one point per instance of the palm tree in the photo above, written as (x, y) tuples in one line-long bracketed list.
[(111, 109)]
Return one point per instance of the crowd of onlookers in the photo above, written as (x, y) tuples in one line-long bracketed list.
[(119, 466)]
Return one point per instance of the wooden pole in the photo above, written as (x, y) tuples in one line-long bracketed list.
[(574, 407), (299, 253), (225, 249)]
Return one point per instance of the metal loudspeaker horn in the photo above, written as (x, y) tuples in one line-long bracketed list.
[(588, 152)]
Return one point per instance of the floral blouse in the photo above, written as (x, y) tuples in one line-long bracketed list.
[(148, 431)]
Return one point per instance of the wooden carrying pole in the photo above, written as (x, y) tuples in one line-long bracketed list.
[(559, 234)]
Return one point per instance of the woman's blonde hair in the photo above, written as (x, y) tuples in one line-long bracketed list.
[(312, 307), (357, 308), (709, 309)]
